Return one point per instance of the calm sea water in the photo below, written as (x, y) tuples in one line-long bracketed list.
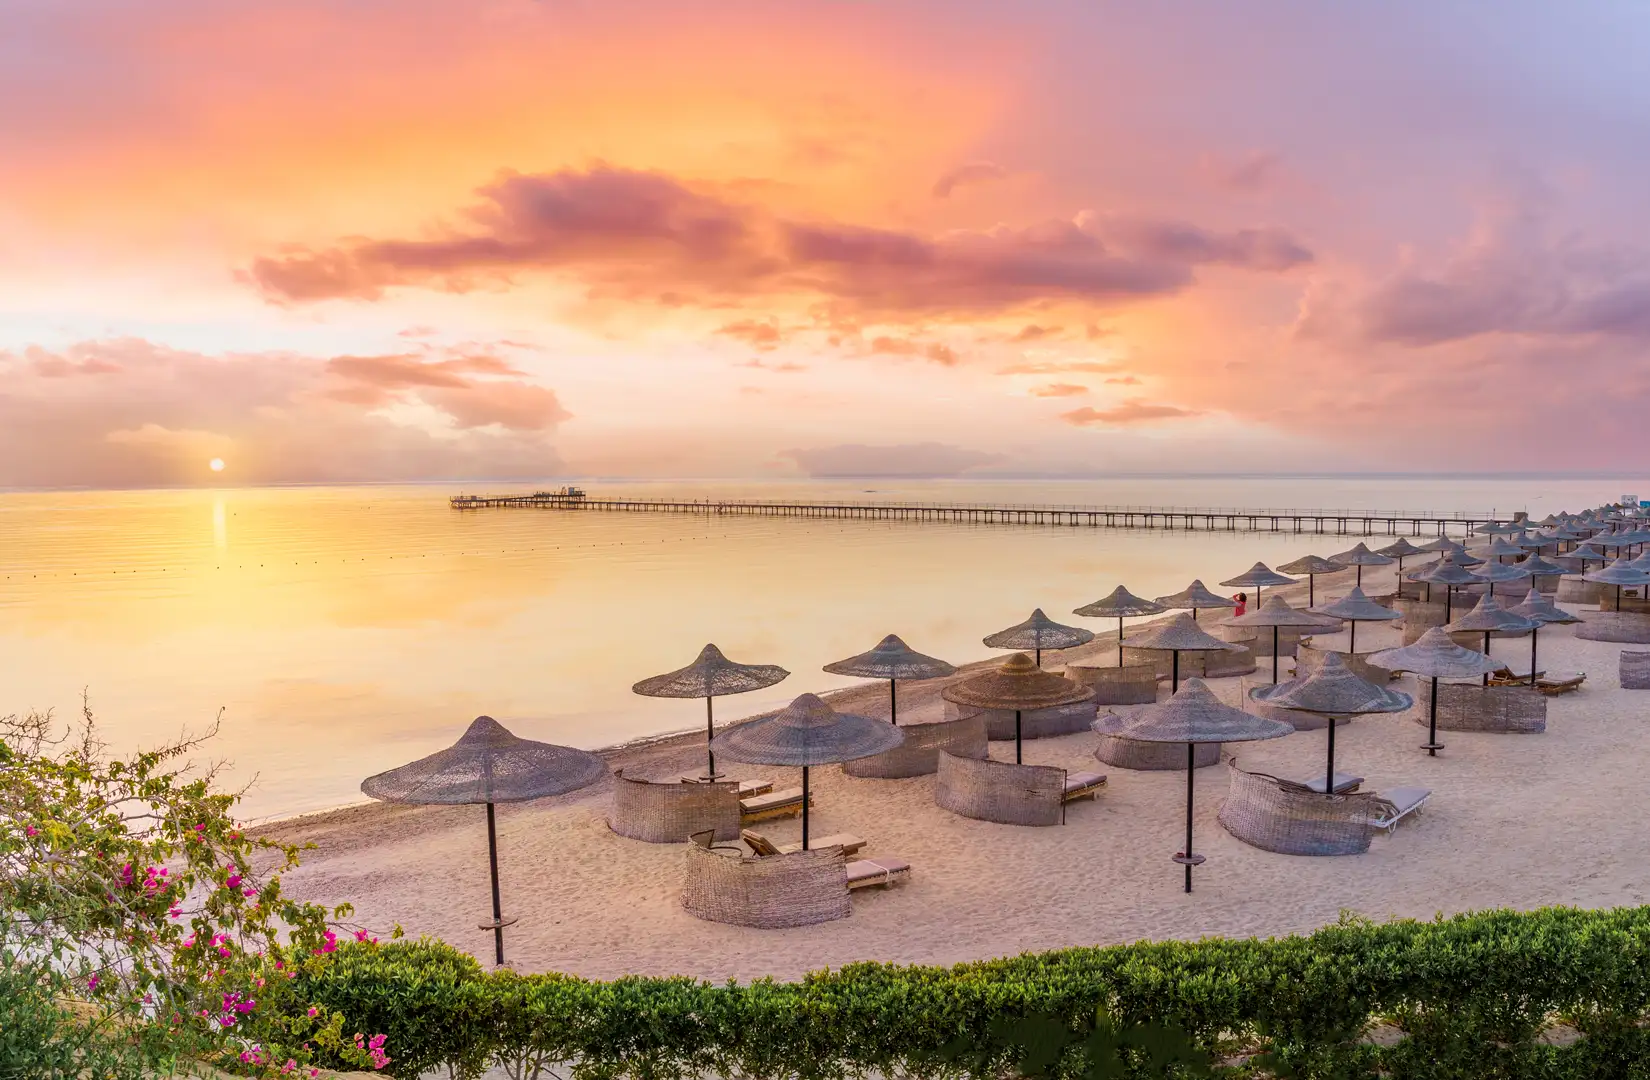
[(341, 631)]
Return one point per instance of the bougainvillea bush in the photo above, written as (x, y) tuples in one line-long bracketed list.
[(142, 930)]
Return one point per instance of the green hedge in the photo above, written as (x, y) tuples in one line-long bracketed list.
[(1471, 996)]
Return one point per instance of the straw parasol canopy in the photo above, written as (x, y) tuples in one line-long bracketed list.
[(1542, 612), (1499, 528), (1399, 549), (1258, 577), (1360, 556), (1489, 617), (1493, 572), (1333, 691), (1355, 608), (1120, 604), (1019, 684), (489, 765), (1037, 633), (1448, 573), (1620, 574), (1540, 567), (1443, 543), (1500, 547), (807, 732), (1311, 566), (1277, 614), (710, 676), (1195, 715), (893, 660), (1177, 635), (1435, 656), (1195, 597)]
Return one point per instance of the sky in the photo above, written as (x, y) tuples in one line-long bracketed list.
[(364, 240)]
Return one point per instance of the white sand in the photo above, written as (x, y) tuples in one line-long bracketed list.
[(1515, 820)]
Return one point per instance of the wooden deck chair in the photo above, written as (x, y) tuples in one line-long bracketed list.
[(863, 873), (761, 845), (775, 804), (1082, 785)]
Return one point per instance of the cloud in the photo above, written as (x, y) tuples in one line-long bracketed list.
[(1252, 172), (1122, 380), (1133, 411), (930, 350), (760, 335), (975, 172), (1061, 367), (785, 367), (1033, 332), (647, 236), (927, 459), (51, 366), (1058, 390), (274, 417)]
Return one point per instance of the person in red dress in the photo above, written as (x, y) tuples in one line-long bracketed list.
[(1242, 599)]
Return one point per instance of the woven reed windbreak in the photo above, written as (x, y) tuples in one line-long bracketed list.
[(919, 755), (1039, 632), (1291, 819), (1500, 710), (672, 813), (488, 765), (892, 659), (770, 892), (711, 675), (1134, 684), (1635, 670), (1034, 723), (1626, 627), (1000, 791)]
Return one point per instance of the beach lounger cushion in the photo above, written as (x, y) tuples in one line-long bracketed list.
[(1405, 801), (864, 872), (848, 842), (781, 803), (1343, 782), (1083, 785)]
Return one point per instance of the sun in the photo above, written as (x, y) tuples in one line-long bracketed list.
[(216, 464)]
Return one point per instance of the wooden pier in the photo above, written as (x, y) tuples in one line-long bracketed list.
[(1224, 519)]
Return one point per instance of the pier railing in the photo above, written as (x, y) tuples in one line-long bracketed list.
[(1349, 520)]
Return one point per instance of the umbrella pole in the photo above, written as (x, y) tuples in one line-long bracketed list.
[(1186, 858), (1174, 671), (710, 733), (1274, 656), (498, 910), (1120, 641), (1352, 645), (893, 703), (1432, 721), (1486, 655), (1329, 773), (1449, 603), (1311, 590), (1016, 736), (1039, 652), (1360, 575), (1533, 635), (804, 808)]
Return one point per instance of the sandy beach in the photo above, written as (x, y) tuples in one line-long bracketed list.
[(1515, 821)]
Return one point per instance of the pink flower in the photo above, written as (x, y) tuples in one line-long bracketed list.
[(289, 1066), (360, 935), (249, 893), (176, 912), (32, 831), (91, 983), (313, 1073), (234, 882), (313, 1011)]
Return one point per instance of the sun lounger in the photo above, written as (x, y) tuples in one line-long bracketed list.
[(1560, 682), (761, 845), (1405, 801), (1082, 785), (748, 789), (1344, 782), (865, 872), (775, 804), (707, 840)]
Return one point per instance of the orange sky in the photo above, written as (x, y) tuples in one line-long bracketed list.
[(518, 239)]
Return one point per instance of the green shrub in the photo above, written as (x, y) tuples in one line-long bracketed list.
[(1470, 996)]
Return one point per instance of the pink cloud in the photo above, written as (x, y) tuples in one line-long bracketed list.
[(1060, 367), (910, 459), (974, 172), (1251, 172), (936, 351), (1133, 411), (1058, 390)]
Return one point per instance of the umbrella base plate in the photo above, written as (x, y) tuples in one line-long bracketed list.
[(1188, 860), (701, 778), (1434, 747), (499, 924)]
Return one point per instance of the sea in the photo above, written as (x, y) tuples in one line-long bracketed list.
[(333, 632)]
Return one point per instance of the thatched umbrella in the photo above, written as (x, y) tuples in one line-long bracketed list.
[(1541, 567), (1493, 572), (893, 660), (807, 732), (1037, 633), (1334, 692), (1447, 573), (489, 765), (1489, 618), (1019, 684), (1311, 566), (1195, 597), (1360, 556), (1177, 635), (1500, 548), (1620, 574), (1195, 715), (1277, 613), (1258, 577), (712, 675), (1355, 608), (1542, 612), (1121, 604), (1399, 549), (1499, 528), (1436, 657)]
